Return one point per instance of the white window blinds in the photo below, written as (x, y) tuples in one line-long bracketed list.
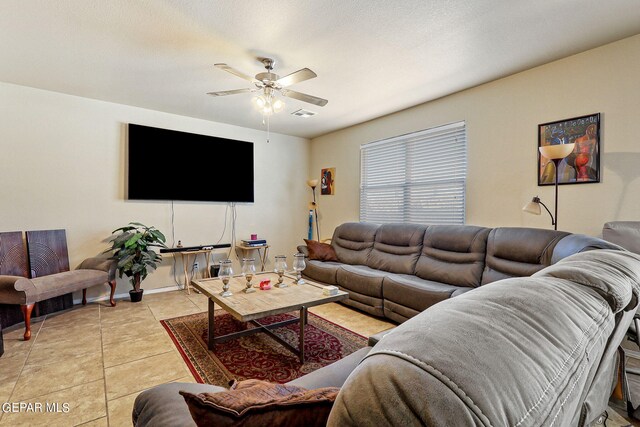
[(415, 178)]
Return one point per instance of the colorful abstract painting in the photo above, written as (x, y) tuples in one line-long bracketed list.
[(583, 164)]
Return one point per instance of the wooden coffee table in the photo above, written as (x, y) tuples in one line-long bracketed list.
[(249, 307)]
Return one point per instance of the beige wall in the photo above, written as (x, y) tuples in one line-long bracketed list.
[(63, 167), (502, 118)]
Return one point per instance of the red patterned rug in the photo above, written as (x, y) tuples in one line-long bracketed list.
[(258, 356)]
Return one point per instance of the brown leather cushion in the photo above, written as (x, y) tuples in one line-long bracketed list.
[(321, 251), (261, 403)]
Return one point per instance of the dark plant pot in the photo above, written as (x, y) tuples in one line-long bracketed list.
[(136, 296)]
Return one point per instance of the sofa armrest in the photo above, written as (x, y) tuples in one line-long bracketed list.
[(623, 233), (576, 243), (162, 406), (304, 249), (100, 263), (14, 289)]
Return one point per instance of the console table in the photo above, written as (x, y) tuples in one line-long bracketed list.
[(188, 261)]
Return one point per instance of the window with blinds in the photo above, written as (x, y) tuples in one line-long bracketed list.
[(415, 178)]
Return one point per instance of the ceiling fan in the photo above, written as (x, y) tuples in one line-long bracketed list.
[(270, 83)]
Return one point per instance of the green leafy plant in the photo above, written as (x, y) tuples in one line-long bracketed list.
[(132, 247)]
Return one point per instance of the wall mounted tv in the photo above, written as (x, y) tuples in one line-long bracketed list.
[(166, 164)]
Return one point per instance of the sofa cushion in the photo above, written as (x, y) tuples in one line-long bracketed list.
[(333, 375), (320, 251), (453, 254), (414, 292), (260, 403), (515, 252), (353, 242), (375, 338), (396, 248), (50, 286), (362, 279), (322, 271)]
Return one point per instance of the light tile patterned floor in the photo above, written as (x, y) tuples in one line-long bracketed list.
[(99, 358)]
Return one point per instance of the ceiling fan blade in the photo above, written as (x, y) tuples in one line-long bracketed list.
[(304, 97), (296, 77), (230, 92), (235, 72)]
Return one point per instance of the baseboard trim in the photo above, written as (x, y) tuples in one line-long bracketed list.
[(123, 296)]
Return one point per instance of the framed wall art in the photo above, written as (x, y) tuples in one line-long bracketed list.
[(328, 181), (582, 166)]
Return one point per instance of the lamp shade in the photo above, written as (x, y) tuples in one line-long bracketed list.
[(558, 151), (533, 207), (313, 183)]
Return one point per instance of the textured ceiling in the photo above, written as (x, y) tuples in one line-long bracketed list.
[(372, 57)]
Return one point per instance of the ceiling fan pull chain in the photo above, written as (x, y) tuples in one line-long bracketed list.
[(268, 127)]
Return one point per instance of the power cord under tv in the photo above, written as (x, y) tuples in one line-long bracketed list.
[(234, 216), (173, 244)]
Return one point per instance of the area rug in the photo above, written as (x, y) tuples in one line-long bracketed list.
[(258, 356)]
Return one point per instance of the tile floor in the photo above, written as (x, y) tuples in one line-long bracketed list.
[(99, 358)]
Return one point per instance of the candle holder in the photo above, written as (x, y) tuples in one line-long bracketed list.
[(248, 270), (225, 274), (280, 268), (298, 266)]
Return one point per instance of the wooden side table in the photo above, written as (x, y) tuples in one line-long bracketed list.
[(186, 262), (263, 251)]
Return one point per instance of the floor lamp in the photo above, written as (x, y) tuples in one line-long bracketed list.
[(313, 183), (555, 153)]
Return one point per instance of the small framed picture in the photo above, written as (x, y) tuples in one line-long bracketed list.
[(327, 181), (582, 166)]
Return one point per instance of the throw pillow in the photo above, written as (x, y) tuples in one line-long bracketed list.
[(261, 403), (321, 251)]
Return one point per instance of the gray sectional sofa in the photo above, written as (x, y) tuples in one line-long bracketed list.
[(399, 270), (525, 351)]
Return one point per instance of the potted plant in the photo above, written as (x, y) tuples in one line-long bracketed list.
[(132, 247)]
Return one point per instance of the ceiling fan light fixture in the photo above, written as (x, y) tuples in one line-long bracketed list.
[(278, 105), (268, 104), (259, 102)]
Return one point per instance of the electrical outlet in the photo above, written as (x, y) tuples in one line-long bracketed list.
[(196, 265)]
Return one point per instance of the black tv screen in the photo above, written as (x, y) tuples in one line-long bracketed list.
[(171, 165)]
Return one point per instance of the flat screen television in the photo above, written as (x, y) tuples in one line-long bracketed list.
[(166, 164)]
